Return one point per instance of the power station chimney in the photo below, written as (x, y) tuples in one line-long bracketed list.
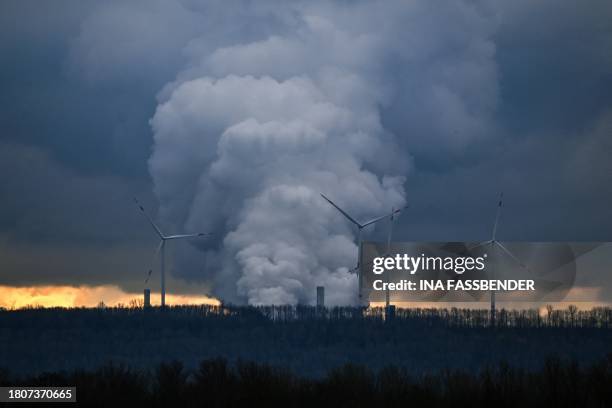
[(390, 312), (147, 298), (320, 297)]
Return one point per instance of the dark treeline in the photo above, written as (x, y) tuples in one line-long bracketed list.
[(306, 340), (217, 383), (598, 317)]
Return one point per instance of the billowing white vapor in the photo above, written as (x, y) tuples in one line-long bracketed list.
[(250, 133)]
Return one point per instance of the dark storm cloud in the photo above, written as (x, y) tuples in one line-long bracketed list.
[(48, 101), (48, 202), (73, 153), (551, 149), (477, 97), (555, 63)]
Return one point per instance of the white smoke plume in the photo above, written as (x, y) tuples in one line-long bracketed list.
[(250, 133)]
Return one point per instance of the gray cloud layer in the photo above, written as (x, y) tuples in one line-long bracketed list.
[(255, 107)]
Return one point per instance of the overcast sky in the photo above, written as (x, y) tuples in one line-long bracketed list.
[(230, 118)]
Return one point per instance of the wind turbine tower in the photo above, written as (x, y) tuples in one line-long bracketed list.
[(161, 247), (493, 243), (387, 294)]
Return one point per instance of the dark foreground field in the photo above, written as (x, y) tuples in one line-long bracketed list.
[(215, 383), (303, 340)]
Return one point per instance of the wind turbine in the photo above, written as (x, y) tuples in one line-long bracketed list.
[(493, 243), (360, 226), (162, 247)]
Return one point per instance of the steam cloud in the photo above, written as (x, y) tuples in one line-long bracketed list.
[(250, 132)]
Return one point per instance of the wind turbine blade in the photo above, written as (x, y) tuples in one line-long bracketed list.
[(390, 230), (178, 236), (351, 219), (395, 213), (479, 245), (375, 220), (149, 218), (382, 217), (499, 206), (153, 260), (399, 211), (511, 255)]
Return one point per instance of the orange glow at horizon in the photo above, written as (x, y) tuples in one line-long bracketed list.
[(85, 296), (90, 296)]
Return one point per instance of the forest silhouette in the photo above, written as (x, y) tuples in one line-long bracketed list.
[(307, 340), (215, 383)]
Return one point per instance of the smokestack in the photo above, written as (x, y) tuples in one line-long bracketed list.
[(147, 298), (390, 312), (320, 296)]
